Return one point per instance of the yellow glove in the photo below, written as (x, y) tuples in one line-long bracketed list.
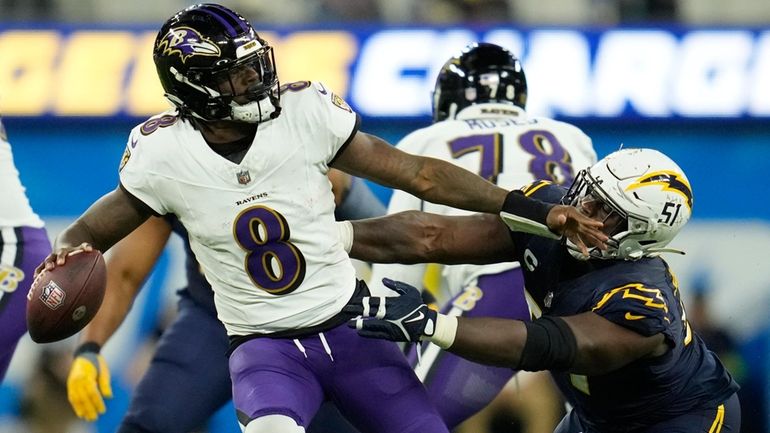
[(88, 382)]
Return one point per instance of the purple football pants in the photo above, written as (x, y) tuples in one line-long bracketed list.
[(21, 250), (369, 380), (459, 388)]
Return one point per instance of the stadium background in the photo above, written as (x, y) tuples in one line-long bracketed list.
[(690, 78)]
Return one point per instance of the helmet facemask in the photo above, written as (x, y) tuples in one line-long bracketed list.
[(641, 196), (259, 102), (587, 195)]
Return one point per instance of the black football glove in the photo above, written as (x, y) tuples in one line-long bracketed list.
[(397, 318)]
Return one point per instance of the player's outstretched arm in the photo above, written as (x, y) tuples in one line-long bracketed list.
[(129, 263), (107, 221), (431, 179), (584, 344), (418, 237), (445, 183)]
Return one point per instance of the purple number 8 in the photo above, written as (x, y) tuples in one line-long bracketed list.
[(273, 263), (551, 162), (153, 124)]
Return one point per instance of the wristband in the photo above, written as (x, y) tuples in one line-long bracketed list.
[(88, 347), (528, 215), (446, 331)]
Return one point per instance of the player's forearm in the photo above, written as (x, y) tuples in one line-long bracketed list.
[(490, 341), (419, 237), (76, 234), (404, 237), (445, 183)]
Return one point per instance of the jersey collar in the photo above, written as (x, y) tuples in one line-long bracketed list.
[(490, 110)]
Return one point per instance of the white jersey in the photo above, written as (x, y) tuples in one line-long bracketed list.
[(15, 210), (263, 230), (505, 146)]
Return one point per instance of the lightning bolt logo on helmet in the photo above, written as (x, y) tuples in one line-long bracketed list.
[(669, 180), (187, 42)]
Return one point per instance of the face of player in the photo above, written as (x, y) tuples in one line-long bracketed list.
[(597, 209), (238, 81)]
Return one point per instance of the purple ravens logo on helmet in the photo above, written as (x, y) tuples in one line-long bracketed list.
[(187, 42)]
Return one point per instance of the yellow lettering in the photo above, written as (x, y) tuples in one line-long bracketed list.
[(92, 73), (145, 94), (26, 71), (317, 56)]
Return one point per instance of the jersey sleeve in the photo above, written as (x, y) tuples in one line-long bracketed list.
[(336, 122), (636, 306), (136, 175)]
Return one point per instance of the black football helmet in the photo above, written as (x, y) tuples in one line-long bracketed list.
[(482, 72), (197, 53)]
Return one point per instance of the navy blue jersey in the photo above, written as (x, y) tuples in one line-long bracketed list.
[(642, 296), (198, 289)]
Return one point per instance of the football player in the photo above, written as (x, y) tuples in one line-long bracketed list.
[(614, 333), (187, 380), (480, 125), (242, 162), (23, 243)]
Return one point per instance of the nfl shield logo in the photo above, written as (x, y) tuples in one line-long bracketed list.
[(52, 295), (244, 177)]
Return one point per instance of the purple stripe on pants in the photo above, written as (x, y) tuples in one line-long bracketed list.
[(369, 380), (21, 250)]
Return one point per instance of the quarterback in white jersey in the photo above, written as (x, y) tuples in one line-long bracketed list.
[(481, 125), (23, 244), (273, 212), (242, 164)]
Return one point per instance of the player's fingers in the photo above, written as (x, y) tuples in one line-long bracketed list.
[(376, 329), (595, 238), (75, 401), (61, 256), (42, 266), (105, 388), (396, 286), (579, 244), (84, 406), (91, 399), (370, 306)]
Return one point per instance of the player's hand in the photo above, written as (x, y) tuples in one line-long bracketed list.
[(88, 384), (397, 318), (59, 257), (582, 230)]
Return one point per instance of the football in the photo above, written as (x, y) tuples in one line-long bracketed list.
[(62, 301)]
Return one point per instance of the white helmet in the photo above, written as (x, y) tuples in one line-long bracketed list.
[(645, 197)]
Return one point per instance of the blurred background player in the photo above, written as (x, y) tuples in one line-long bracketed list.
[(614, 332), (187, 379), (23, 243), (480, 124)]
